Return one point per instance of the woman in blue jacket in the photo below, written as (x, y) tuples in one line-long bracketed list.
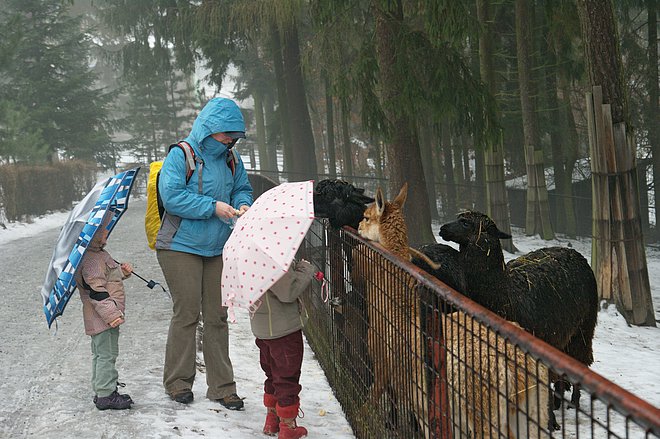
[(189, 248)]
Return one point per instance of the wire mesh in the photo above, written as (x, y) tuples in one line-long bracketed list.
[(408, 357)]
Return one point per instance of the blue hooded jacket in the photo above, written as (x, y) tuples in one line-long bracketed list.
[(190, 224)]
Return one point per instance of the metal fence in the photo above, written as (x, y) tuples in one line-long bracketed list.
[(408, 357)]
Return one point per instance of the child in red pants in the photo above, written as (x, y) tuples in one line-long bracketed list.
[(277, 324)]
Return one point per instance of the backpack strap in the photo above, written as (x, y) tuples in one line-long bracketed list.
[(231, 161), (191, 161), (190, 157)]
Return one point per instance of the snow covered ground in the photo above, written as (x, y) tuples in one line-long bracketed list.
[(44, 376)]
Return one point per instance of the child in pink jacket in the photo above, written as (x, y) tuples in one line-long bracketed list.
[(100, 282)]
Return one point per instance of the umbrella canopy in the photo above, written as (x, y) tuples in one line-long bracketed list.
[(264, 242), (108, 195)]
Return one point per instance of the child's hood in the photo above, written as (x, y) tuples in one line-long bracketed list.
[(95, 243), (294, 282)]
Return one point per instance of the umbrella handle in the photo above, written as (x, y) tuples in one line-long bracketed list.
[(150, 283)]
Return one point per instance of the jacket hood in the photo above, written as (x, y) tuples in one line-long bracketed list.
[(219, 115), (95, 243)]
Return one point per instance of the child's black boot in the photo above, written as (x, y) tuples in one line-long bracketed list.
[(114, 401)]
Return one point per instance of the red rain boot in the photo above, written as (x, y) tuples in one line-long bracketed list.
[(288, 427), (272, 425)]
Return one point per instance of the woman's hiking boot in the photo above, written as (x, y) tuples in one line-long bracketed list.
[(184, 397), (272, 425), (232, 402), (288, 427)]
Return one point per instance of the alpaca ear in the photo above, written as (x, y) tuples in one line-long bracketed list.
[(380, 201), (403, 193)]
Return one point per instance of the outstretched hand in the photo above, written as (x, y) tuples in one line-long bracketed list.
[(116, 322), (126, 269), (224, 210)]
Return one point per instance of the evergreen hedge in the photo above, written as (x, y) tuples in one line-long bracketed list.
[(33, 190)]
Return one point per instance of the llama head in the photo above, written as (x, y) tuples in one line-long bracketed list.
[(340, 202), (383, 222), (473, 228)]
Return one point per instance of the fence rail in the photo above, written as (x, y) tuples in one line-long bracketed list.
[(409, 357)]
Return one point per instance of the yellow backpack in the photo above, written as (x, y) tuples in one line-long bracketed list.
[(155, 210)]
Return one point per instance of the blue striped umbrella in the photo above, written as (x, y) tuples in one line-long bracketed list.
[(109, 195)]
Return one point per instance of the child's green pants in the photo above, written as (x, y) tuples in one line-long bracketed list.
[(105, 349)]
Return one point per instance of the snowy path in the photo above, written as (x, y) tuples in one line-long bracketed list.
[(44, 378)]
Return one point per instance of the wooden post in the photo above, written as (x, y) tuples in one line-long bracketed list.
[(618, 254)]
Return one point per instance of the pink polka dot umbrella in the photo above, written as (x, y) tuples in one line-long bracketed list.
[(264, 242)]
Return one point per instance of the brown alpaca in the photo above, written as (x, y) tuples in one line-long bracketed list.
[(394, 337), (390, 216), (494, 388)]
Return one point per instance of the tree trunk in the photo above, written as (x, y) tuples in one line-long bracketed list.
[(565, 220), (271, 137), (479, 192), (654, 111), (618, 254), (496, 195), (449, 207), (459, 176), (426, 149), (282, 97), (174, 106), (403, 153), (378, 158), (330, 128), (538, 208), (303, 160), (316, 123), (347, 149), (570, 148), (603, 55), (261, 131), (469, 186)]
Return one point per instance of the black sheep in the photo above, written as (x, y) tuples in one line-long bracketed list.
[(341, 202), (450, 271), (550, 292)]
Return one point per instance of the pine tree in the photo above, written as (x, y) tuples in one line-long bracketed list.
[(47, 78), (160, 97)]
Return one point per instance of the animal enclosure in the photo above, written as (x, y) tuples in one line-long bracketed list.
[(455, 370)]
